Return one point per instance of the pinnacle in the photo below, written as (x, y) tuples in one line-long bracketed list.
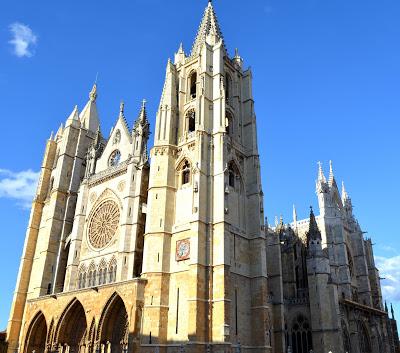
[(321, 176), (209, 26), (93, 93)]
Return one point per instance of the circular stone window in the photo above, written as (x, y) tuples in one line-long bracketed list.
[(114, 159), (103, 224)]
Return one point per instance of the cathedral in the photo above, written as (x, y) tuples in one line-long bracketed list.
[(168, 250)]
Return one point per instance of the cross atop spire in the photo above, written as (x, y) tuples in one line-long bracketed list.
[(209, 26)]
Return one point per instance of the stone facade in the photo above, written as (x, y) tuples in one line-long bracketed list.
[(124, 255)]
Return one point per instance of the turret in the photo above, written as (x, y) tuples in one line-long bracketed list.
[(140, 135)]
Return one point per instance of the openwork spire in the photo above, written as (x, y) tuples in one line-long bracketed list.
[(209, 26)]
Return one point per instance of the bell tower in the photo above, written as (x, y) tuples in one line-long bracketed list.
[(204, 247)]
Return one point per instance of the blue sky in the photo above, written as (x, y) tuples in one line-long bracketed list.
[(326, 85)]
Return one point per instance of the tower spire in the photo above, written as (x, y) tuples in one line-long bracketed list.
[(89, 116), (331, 175), (209, 29), (321, 176)]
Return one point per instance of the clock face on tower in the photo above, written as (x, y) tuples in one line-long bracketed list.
[(182, 250)]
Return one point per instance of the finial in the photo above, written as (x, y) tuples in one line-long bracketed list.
[(392, 310), (93, 93), (144, 101), (321, 176), (51, 135), (281, 221), (294, 215), (121, 108), (386, 307)]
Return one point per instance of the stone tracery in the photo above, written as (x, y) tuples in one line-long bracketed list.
[(103, 224)]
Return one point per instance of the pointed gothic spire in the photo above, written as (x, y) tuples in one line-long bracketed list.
[(209, 26), (142, 122), (345, 195), (89, 116), (313, 230), (386, 307), (74, 116), (59, 132), (321, 176), (294, 217), (121, 109), (51, 136), (331, 175), (392, 310)]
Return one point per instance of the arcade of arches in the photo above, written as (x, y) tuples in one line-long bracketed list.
[(79, 329)]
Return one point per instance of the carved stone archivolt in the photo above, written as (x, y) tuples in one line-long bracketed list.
[(103, 224)]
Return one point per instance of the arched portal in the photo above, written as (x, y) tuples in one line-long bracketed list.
[(36, 336), (72, 329), (114, 326)]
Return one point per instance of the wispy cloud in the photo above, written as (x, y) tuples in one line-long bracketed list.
[(23, 40), (18, 186), (389, 268)]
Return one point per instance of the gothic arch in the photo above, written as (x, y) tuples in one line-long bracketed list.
[(301, 337), (184, 171), (229, 123), (113, 330), (71, 329), (346, 338), (228, 86), (107, 194), (36, 336), (81, 277), (192, 84), (235, 172), (102, 272), (92, 275), (190, 120), (364, 338), (112, 270)]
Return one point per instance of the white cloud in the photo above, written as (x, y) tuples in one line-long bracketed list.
[(389, 268), (23, 40), (18, 186)]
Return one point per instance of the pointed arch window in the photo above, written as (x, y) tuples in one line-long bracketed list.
[(228, 124), (232, 174), (112, 271), (228, 87), (191, 120), (186, 173), (301, 335), (350, 261), (193, 85)]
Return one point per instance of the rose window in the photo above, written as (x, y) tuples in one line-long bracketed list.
[(103, 224)]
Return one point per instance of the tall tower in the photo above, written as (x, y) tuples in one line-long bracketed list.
[(42, 266), (204, 247)]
